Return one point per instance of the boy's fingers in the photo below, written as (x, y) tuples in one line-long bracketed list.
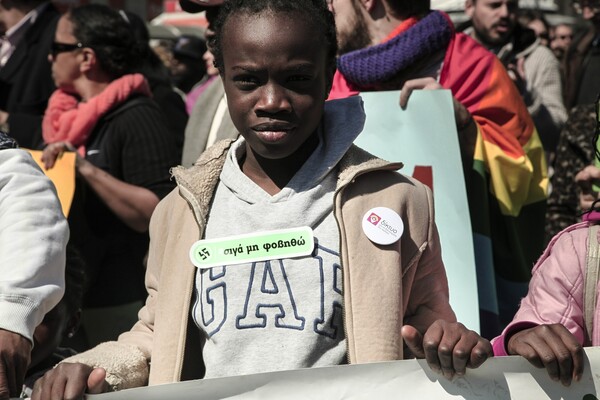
[(96, 381), (414, 340), (482, 351)]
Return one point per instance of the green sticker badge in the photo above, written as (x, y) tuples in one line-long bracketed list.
[(259, 246)]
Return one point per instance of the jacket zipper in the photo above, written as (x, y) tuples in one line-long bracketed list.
[(186, 194), (344, 323)]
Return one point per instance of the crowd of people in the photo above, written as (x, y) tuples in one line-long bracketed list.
[(249, 131)]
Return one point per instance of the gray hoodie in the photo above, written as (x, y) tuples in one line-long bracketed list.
[(279, 314)]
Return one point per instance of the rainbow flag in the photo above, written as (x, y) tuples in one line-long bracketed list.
[(507, 184)]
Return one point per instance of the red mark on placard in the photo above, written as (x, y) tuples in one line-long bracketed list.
[(424, 174)]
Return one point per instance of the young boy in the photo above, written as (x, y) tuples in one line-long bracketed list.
[(373, 269)]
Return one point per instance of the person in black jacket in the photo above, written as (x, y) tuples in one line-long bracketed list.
[(103, 110), (25, 76)]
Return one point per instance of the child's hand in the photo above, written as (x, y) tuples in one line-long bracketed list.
[(70, 381), (449, 347), (552, 347), (586, 178)]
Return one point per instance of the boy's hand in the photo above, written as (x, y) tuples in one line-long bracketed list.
[(70, 381), (552, 347), (448, 347)]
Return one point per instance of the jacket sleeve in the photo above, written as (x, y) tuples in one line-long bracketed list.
[(429, 296), (556, 289), (32, 244), (127, 360)]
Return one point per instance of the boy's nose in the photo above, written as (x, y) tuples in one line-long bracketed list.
[(274, 99)]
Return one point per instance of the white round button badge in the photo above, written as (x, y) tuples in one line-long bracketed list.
[(382, 225)]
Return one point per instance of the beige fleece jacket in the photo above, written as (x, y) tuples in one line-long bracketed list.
[(385, 287)]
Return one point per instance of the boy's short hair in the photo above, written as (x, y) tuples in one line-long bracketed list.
[(315, 12)]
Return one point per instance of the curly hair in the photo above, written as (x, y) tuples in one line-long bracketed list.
[(313, 12), (109, 35)]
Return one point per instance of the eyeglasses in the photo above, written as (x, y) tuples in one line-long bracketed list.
[(57, 48), (579, 5)]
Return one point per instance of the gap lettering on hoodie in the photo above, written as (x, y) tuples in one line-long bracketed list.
[(265, 295)]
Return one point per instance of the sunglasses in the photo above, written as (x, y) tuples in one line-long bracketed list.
[(57, 48)]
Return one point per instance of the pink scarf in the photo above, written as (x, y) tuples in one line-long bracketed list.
[(67, 119)]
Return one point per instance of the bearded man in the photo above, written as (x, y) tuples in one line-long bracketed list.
[(402, 44), (531, 65)]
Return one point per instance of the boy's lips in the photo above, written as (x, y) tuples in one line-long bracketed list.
[(272, 133), (271, 136)]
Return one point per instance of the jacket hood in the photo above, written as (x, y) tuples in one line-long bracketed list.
[(354, 162)]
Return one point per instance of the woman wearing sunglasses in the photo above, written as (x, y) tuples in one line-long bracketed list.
[(103, 111)]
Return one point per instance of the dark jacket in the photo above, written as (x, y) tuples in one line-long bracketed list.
[(575, 151), (133, 144), (26, 80), (573, 65)]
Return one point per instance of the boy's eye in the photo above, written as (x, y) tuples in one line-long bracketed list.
[(245, 82), (299, 78), (300, 82)]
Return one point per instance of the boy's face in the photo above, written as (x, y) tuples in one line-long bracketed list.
[(275, 78)]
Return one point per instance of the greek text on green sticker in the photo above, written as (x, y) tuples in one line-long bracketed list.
[(253, 247)]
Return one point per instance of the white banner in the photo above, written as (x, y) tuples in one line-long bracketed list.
[(498, 378)]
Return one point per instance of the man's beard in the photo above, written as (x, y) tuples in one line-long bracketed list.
[(495, 42), (357, 37)]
